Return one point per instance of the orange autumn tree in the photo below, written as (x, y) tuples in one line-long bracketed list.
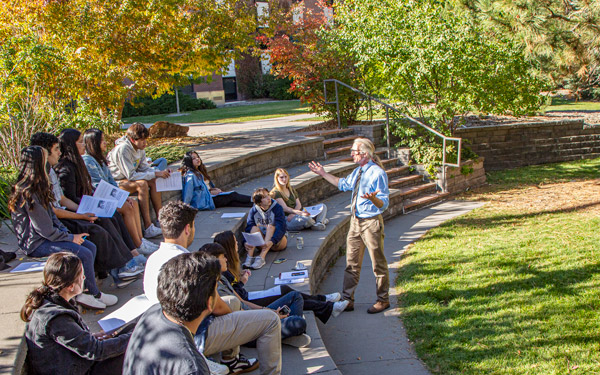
[(298, 41)]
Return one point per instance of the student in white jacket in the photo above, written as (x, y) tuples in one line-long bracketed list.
[(128, 166)]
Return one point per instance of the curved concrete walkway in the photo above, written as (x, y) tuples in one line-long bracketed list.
[(361, 343)]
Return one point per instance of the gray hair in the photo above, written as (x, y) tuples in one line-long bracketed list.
[(368, 147)]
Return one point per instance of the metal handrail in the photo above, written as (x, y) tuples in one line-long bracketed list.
[(387, 122)]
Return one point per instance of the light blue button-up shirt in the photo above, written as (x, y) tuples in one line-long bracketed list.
[(373, 178)]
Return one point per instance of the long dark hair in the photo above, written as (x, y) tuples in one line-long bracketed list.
[(32, 180), (187, 164), (93, 138), (68, 148), (61, 271), (228, 241)]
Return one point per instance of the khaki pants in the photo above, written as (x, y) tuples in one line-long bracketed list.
[(366, 233), (235, 329)]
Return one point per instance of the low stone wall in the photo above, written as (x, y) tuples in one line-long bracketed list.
[(471, 174), (515, 145), (329, 251), (375, 132)]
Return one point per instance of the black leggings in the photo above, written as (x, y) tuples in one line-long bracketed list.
[(233, 199), (316, 303)]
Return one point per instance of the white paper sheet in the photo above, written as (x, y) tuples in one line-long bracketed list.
[(222, 193), (292, 277), (98, 207), (230, 215), (254, 239), (290, 281), (170, 184), (29, 267), (129, 311), (274, 291), (108, 191), (314, 210)]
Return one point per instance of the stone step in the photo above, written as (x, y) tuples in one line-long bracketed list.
[(332, 133), (423, 201), (397, 171), (410, 192), (338, 142), (404, 181), (339, 151), (389, 163)]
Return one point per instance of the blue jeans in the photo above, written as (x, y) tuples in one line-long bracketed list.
[(294, 324), (86, 252), (300, 222), (160, 164)]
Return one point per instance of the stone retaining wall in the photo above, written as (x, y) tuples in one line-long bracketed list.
[(471, 174), (515, 145)]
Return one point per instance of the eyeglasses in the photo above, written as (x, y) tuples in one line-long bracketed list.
[(353, 151)]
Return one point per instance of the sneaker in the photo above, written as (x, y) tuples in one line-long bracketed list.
[(140, 259), (339, 307), (248, 262), (325, 221), (216, 368), (130, 270), (241, 364), (120, 284), (108, 299), (318, 226), (147, 247), (258, 263), (333, 297), (152, 231), (90, 301), (299, 341)]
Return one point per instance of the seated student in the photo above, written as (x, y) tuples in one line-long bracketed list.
[(97, 166), (38, 230), (109, 255), (58, 340), (75, 182), (293, 325), (128, 166), (287, 197), (265, 217), (324, 306), (226, 330), (200, 192)]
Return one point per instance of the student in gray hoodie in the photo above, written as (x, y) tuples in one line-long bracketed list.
[(265, 217), (128, 166)]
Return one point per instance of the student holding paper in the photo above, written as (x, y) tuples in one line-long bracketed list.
[(324, 306), (40, 233), (287, 197), (267, 218), (199, 192), (129, 167), (97, 166), (58, 340)]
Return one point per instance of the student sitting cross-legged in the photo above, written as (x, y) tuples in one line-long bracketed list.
[(223, 329), (129, 167)]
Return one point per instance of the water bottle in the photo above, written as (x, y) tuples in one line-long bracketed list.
[(299, 243)]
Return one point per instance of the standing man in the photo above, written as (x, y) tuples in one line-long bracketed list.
[(370, 197)]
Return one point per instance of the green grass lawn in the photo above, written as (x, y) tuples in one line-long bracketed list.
[(569, 105), (230, 114), (506, 290)]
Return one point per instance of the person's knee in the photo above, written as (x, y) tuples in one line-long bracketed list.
[(233, 302), (295, 325), (142, 186)]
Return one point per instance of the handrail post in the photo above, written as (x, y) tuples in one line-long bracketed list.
[(337, 104), (444, 166), (387, 131)]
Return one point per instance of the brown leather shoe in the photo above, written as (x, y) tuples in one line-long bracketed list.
[(350, 306), (378, 307)]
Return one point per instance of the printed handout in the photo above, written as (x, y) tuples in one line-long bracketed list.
[(108, 191), (293, 277), (232, 215), (314, 210), (98, 207), (29, 267), (274, 291), (254, 239), (129, 311), (169, 184)]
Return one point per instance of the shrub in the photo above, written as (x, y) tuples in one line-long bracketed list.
[(85, 117), (147, 106), (278, 88), (172, 153)]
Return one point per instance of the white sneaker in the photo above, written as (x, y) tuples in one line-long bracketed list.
[(152, 231), (216, 368), (130, 270), (339, 307), (147, 247), (108, 299), (248, 262), (318, 226), (299, 341), (258, 263), (90, 301), (325, 221), (333, 297)]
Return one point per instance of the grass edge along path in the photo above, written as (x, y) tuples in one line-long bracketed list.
[(502, 290), (230, 114)]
